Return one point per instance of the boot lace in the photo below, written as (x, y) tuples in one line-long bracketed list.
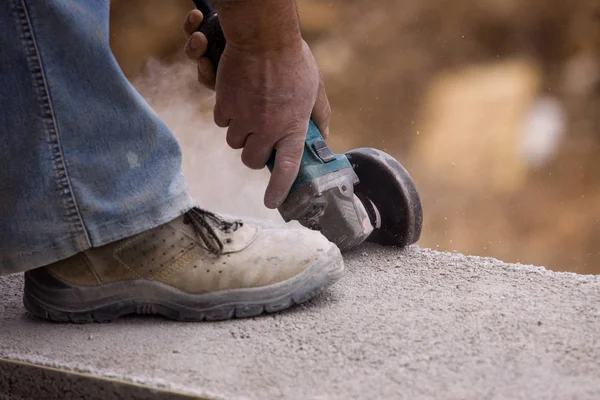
[(205, 223)]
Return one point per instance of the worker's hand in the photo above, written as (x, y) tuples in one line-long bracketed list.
[(266, 100), (195, 48)]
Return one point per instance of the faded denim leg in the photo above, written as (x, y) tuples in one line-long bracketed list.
[(84, 160)]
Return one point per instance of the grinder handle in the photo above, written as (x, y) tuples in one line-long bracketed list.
[(211, 28)]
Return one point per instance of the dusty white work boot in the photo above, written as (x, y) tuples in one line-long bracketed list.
[(197, 267)]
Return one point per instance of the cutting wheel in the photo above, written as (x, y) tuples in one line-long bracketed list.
[(390, 196)]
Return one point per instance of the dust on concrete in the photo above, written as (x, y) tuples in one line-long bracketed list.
[(399, 324)]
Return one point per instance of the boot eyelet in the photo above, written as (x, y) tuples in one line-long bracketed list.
[(228, 241)]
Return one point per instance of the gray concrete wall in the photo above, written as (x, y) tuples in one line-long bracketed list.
[(399, 325)]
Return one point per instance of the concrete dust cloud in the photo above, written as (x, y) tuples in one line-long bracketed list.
[(216, 176)]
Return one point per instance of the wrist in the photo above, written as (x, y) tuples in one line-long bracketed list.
[(260, 25)]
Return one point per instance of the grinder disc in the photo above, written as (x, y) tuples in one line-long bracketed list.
[(390, 196)]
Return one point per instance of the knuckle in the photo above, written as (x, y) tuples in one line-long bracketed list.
[(287, 164), (230, 142), (271, 124), (251, 161), (233, 141), (293, 125), (220, 121)]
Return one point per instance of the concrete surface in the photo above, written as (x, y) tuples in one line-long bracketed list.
[(399, 325)]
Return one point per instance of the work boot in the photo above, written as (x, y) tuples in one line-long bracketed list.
[(197, 267)]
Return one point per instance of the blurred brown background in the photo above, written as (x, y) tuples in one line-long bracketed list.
[(492, 105)]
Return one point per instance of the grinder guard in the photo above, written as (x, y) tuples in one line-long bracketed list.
[(390, 196)]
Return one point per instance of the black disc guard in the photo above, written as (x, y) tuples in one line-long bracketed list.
[(390, 196)]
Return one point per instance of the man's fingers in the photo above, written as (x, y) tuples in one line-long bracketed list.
[(220, 119), (195, 47), (237, 133), (206, 73), (287, 163), (321, 114), (192, 22), (256, 152)]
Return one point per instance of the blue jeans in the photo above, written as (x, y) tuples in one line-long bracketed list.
[(84, 160)]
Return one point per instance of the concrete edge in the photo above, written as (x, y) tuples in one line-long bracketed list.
[(24, 380), (511, 265)]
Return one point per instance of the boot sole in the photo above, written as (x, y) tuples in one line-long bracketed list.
[(51, 298)]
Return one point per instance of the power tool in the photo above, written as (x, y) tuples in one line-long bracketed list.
[(362, 195)]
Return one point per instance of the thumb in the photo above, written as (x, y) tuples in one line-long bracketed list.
[(289, 151)]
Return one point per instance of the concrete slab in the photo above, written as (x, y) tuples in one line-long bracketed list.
[(399, 325)]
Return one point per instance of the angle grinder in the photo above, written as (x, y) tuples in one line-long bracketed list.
[(362, 195)]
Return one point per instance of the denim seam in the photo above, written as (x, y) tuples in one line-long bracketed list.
[(61, 176), (145, 212), (55, 244)]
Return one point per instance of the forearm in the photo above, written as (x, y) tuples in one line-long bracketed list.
[(260, 24)]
